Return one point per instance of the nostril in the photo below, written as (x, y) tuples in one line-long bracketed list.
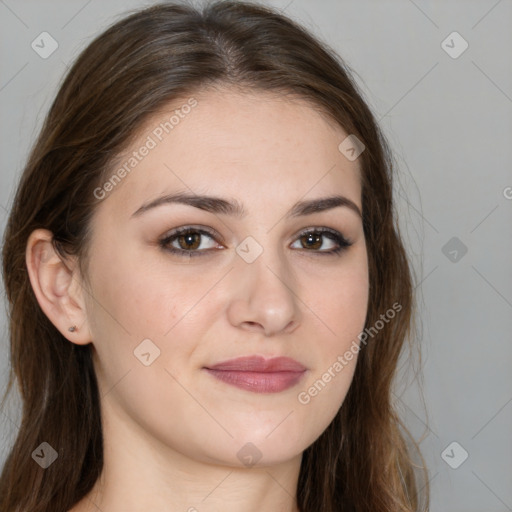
[(253, 325)]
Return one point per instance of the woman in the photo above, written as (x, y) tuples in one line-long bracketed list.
[(208, 291)]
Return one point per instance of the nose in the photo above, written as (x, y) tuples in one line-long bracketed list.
[(263, 298)]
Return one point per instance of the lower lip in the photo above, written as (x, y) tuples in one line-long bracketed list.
[(258, 382)]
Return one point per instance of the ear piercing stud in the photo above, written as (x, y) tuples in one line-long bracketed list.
[(72, 328)]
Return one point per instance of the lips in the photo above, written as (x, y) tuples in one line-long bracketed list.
[(257, 374), (259, 364)]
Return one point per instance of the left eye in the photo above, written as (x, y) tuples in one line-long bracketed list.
[(315, 240)]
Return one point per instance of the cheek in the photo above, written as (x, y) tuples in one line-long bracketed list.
[(344, 306), (132, 302), (144, 300), (339, 300), (341, 309)]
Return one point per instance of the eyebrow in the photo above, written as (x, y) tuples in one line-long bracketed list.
[(232, 207)]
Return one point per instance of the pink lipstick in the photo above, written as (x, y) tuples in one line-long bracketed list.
[(257, 374)]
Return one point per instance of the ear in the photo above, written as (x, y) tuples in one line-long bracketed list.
[(57, 286)]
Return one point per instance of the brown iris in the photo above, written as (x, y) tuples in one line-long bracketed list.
[(194, 239), (313, 240)]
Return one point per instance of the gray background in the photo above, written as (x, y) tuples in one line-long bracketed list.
[(449, 122)]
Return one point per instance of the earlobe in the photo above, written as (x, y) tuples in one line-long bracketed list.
[(57, 287)]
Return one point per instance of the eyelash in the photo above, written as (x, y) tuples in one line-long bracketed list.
[(332, 234)]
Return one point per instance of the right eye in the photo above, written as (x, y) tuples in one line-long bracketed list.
[(189, 241)]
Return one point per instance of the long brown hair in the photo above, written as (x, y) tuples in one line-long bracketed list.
[(364, 458)]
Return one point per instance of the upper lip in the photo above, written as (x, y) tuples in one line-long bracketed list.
[(259, 364)]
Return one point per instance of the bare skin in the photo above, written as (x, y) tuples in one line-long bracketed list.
[(173, 432)]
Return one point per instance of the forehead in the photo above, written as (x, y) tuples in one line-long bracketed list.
[(243, 145)]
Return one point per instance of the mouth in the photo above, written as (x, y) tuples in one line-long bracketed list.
[(259, 375)]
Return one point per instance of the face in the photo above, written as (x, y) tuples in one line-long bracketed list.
[(259, 270)]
